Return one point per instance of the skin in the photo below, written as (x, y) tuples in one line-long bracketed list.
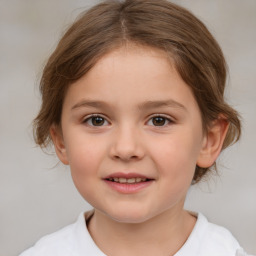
[(124, 89)]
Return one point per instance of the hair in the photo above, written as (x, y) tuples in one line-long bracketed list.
[(155, 23)]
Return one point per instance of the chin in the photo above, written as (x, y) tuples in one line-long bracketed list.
[(128, 216)]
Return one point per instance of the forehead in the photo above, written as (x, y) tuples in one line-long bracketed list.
[(137, 55), (130, 61), (131, 73)]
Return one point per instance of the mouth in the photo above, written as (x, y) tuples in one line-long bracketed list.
[(128, 183), (128, 180)]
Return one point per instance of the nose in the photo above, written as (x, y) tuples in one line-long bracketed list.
[(127, 145)]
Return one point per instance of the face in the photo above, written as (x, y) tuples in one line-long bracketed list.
[(132, 135)]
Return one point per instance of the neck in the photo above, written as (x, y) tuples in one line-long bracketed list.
[(163, 234)]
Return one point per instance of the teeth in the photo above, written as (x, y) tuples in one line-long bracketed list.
[(122, 180), (138, 179), (129, 181)]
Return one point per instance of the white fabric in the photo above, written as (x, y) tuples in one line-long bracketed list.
[(206, 239)]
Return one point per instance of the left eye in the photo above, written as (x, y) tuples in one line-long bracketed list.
[(96, 121), (159, 121)]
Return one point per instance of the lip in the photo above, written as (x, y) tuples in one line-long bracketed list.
[(126, 188), (127, 175)]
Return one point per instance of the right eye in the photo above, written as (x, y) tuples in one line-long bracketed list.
[(96, 120)]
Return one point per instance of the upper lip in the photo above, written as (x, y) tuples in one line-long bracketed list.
[(127, 175)]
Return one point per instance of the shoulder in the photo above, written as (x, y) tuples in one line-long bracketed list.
[(219, 238), (54, 244), (72, 240), (209, 239)]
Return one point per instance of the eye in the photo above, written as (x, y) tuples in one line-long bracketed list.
[(159, 121), (96, 120)]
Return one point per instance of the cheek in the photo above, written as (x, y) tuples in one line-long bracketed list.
[(84, 159), (176, 157), (84, 166)]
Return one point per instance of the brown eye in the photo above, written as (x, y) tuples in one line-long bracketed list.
[(158, 121), (96, 121)]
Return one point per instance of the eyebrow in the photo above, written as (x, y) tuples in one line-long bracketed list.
[(145, 105), (161, 103), (90, 103)]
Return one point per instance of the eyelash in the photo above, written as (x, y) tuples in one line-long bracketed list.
[(90, 118), (164, 118)]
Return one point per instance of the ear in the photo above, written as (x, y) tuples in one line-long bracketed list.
[(213, 142), (59, 144)]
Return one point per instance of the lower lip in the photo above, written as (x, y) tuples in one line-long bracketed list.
[(126, 188)]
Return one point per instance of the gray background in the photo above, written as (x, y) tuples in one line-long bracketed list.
[(37, 195)]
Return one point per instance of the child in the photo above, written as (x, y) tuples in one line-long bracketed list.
[(132, 99)]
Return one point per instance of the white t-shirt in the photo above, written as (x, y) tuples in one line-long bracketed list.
[(206, 239)]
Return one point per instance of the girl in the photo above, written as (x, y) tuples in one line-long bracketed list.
[(132, 99)]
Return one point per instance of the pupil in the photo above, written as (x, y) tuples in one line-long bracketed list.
[(97, 121), (158, 121)]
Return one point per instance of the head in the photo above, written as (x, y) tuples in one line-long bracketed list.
[(160, 25)]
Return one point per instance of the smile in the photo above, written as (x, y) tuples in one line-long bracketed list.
[(129, 180), (128, 183)]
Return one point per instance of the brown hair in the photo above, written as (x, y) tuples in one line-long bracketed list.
[(155, 23)]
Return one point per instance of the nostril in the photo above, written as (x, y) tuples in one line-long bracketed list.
[(126, 157), (126, 148)]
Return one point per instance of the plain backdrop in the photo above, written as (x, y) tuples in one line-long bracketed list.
[(36, 193)]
